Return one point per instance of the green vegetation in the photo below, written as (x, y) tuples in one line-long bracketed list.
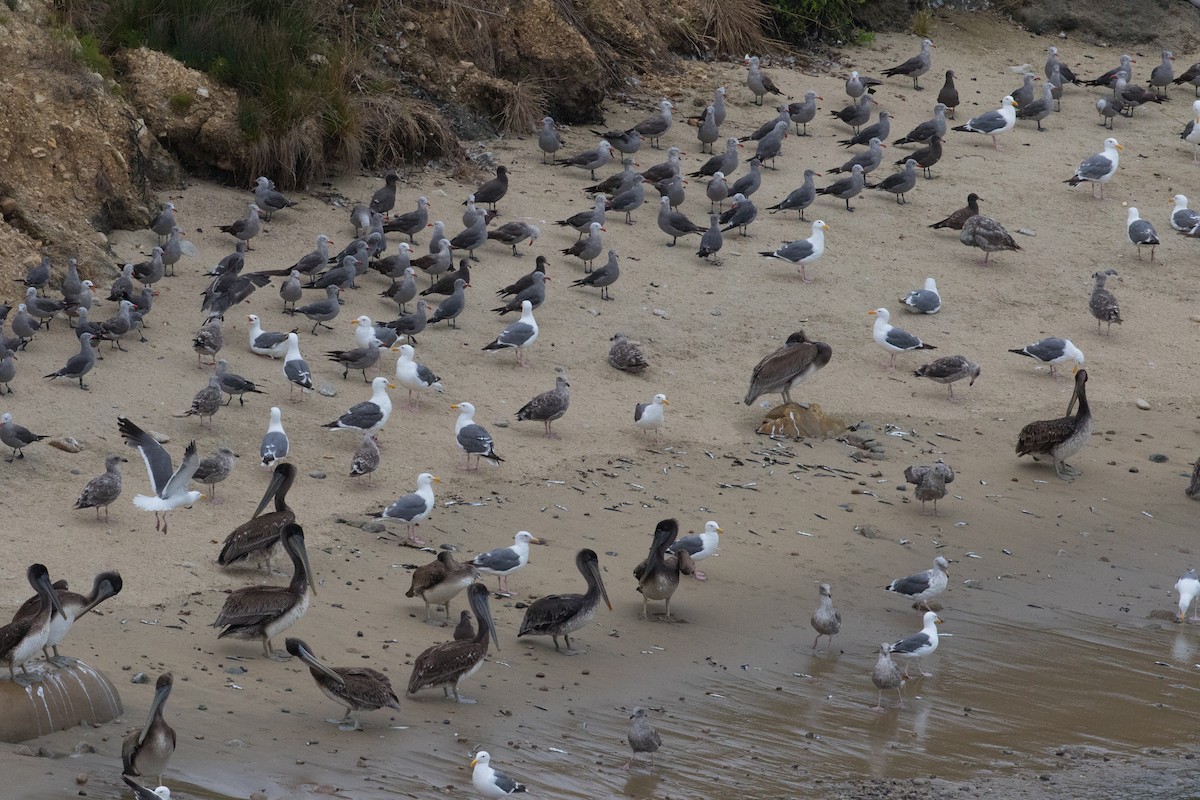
[(180, 103), (801, 20), (921, 20), (89, 53)]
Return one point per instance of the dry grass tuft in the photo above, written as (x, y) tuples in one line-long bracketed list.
[(526, 105), (921, 22), (736, 28)]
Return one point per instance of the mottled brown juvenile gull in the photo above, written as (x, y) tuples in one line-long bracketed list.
[(603, 277), (625, 355), (214, 469), (268, 199), (993, 123), (643, 738), (930, 482), (886, 675), (591, 160), (208, 340), (949, 369), (518, 335), (758, 82), (472, 438), (791, 365), (79, 364), (988, 235), (368, 416), (103, 490), (802, 251), (1140, 232), (826, 620), (1103, 303), (956, 220), (245, 229), (1100, 168), (925, 585), (914, 67), (366, 458), (548, 406), (893, 339), (207, 401)]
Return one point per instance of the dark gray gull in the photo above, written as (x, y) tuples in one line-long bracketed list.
[(71, 284), (416, 378), (749, 183), (616, 183), (587, 249), (857, 84), (295, 369), (313, 262), (655, 126), (548, 406), (358, 358), (629, 201), (758, 82), (993, 123), (275, 443), (1039, 109), (340, 276), (1052, 61), (880, 130), (675, 223), (24, 326), (16, 436), (504, 561), (213, 469), (411, 324), (856, 114), (404, 288), (930, 481), (708, 131), (626, 142), (384, 199), (799, 198), (525, 281), (493, 191), (436, 263), (920, 644), (582, 220), (717, 191), (956, 220), (290, 291), (927, 156), (439, 233), (1023, 95), (370, 415), (868, 160), (366, 458), (122, 285), (322, 311), (174, 250), (642, 736), (914, 67), (247, 228), (925, 585), (672, 188), (1183, 219), (116, 327), (925, 300), (1135, 96), (1056, 87), (804, 112), (846, 188), (1103, 303), (38, 276), (410, 223), (164, 221), (1192, 76), (886, 675), (233, 384), (892, 339), (1106, 80), (802, 252), (667, 169), (826, 620), (781, 115), (591, 160), (43, 308), (8, 369), (535, 293), (207, 401), (787, 367), (603, 277), (444, 285), (712, 241), (152, 271), (1162, 75), (988, 235), (512, 234), (947, 370), (77, 365), (1053, 351), (170, 486), (449, 309), (948, 96), (268, 199), (265, 343), (626, 355), (725, 162), (549, 141), (103, 490), (472, 238), (740, 215), (899, 183), (1140, 232), (472, 438), (518, 335)]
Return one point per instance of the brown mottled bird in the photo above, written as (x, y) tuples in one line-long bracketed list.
[(955, 221), (625, 355), (1063, 437), (1103, 303), (930, 482), (643, 738), (826, 620), (548, 406), (949, 369), (781, 371), (988, 235)]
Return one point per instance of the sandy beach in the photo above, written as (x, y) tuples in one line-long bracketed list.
[(1063, 674)]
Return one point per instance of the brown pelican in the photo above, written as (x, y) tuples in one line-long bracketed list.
[(562, 614), (783, 370), (146, 751), (658, 575), (21, 639), (357, 688), (447, 664), (439, 581), (74, 606), (1063, 437), (465, 629), (259, 536), (267, 611)]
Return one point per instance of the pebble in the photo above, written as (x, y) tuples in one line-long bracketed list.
[(374, 527), (327, 390), (1158, 458), (82, 779), (317, 474), (658, 312), (1142, 404), (1026, 232), (238, 670), (161, 438), (500, 423), (140, 677), (83, 747), (868, 531)]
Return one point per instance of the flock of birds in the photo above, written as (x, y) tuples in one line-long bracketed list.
[(265, 612)]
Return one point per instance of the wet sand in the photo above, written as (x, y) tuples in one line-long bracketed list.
[(1061, 653)]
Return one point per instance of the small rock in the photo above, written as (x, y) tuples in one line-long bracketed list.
[(374, 527), (236, 743), (22, 750), (46, 752), (83, 747), (238, 670), (658, 312), (501, 423), (317, 474), (1142, 404), (202, 92), (82, 779), (140, 677), (868, 531), (1026, 232), (1159, 458), (161, 438), (327, 390)]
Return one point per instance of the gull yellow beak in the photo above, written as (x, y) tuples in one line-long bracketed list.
[(353, 322), (938, 620), (474, 761), (720, 529), (391, 386), (825, 227), (1122, 147), (436, 479), (665, 403), (454, 406), (871, 313)]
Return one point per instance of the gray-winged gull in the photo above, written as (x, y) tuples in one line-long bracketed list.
[(368, 416), (675, 223), (893, 339), (535, 293), (707, 131), (926, 300), (928, 129), (1188, 588), (103, 490), (603, 277), (513, 233), (802, 251), (826, 620), (504, 561), (846, 188), (1140, 232), (170, 487), (79, 364), (275, 443), (925, 585), (269, 199), (549, 141), (899, 183), (804, 112), (16, 437), (799, 198), (949, 369), (1098, 169), (384, 199), (856, 114), (712, 241), (650, 416), (591, 160), (266, 343), (993, 123), (295, 369), (472, 438), (758, 82), (740, 215), (322, 311), (930, 481), (914, 67), (548, 406), (452, 307), (489, 782), (493, 191), (1053, 351), (857, 84), (920, 644), (518, 335), (416, 378), (164, 221), (8, 368), (412, 509), (699, 545), (410, 223), (656, 125), (1023, 94), (869, 159), (582, 220), (1037, 110), (626, 142), (233, 384), (725, 162), (1183, 219), (247, 228)]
